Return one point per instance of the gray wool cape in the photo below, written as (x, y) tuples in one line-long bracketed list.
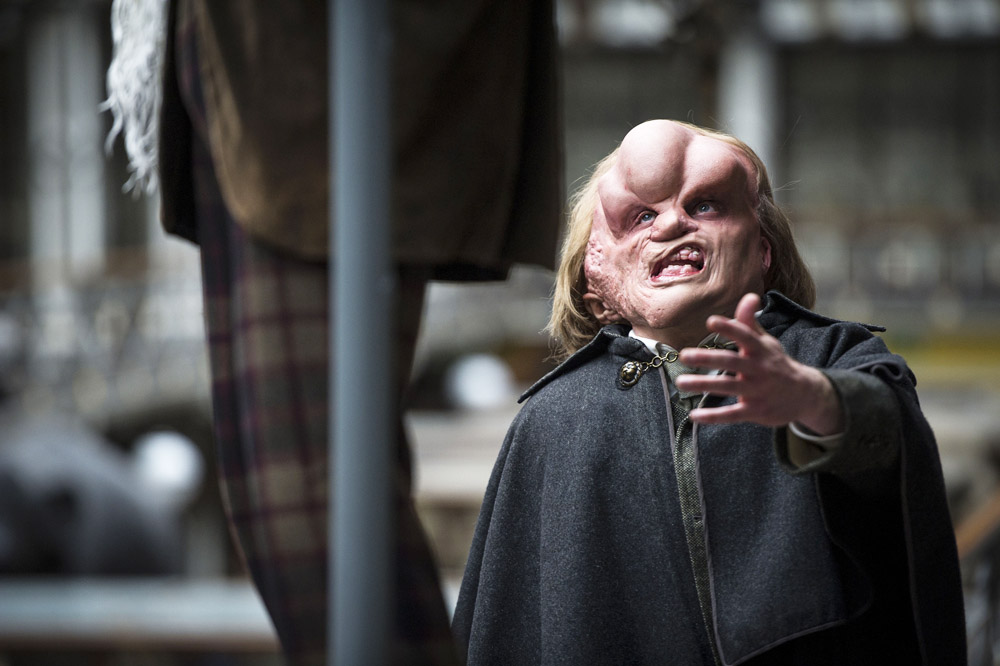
[(579, 555)]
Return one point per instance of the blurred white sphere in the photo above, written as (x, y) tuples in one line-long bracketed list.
[(170, 466), (479, 381)]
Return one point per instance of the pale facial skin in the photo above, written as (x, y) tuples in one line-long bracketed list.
[(676, 250)]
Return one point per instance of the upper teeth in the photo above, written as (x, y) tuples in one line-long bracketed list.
[(686, 254)]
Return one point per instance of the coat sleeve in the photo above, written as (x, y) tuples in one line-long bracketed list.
[(869, 441), (870, 383)]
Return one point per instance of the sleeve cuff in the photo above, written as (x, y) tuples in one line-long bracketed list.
[(806, 448)]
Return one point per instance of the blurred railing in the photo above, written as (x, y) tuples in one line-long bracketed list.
[(978, 539), (131, 335)]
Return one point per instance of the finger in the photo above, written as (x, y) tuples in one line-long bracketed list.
[(713, 359), (747, 309), (745, 337), (734, 413), (723, 385)]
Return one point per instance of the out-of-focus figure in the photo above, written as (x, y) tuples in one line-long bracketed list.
[(243, 171)]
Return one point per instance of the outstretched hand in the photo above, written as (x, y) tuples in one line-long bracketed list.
[(771, 388)]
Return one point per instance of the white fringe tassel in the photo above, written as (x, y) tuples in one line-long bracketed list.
[(138, 33)]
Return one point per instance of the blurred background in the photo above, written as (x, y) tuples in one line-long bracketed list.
[(879, 121)]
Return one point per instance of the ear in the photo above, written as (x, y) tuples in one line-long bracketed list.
[(602, 313), (765, 253)]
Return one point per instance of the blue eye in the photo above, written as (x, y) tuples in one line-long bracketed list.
[(646, 217), (705, 207)]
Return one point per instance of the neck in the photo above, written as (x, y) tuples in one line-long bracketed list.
[(675, 337)]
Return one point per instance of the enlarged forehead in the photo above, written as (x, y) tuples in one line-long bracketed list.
[(659, 159)]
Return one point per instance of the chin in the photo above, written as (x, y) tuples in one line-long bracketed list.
[(681, 314), (686, 312)]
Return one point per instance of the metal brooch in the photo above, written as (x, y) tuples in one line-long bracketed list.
[(631, 371)]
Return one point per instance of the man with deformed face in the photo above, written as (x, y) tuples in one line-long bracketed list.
[(714, 474)]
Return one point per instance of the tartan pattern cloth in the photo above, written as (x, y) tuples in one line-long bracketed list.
[(266, 318)]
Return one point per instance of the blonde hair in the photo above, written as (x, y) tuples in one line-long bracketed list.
[(572, 325)]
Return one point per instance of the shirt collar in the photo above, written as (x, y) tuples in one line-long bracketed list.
[(710, 340)]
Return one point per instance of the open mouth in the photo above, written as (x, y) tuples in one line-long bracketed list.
[(686, 260)]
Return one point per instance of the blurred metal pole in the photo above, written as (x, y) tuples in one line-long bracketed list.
[(362, 295)]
